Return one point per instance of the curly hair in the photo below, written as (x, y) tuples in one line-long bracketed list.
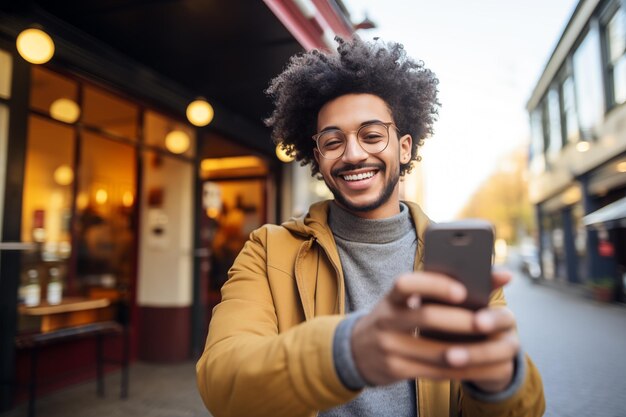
[(314, 78)]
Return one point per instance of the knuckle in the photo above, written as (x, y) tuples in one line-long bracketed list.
[(426, 314), (385, 343), (393, 365)]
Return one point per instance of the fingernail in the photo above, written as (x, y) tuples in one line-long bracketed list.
[(457, 292), (457, 356), (413, 302), (485, 321)]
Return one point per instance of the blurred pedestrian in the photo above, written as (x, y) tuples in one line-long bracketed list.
[(318, 315)]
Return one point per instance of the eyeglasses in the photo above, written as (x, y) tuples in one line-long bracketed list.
[(372, 137)]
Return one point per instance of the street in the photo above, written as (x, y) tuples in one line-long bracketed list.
[(578, 345)]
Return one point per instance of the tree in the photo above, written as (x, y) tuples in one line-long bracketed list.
[(503, 199)]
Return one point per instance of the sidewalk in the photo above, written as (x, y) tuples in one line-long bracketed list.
[(155, 391), (577, 290)]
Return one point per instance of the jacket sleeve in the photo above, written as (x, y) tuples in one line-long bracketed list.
[(248, 367), (529, 399)]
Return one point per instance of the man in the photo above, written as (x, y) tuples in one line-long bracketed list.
[(319, 315)]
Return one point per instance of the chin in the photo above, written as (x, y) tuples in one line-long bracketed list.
[(360, 205)]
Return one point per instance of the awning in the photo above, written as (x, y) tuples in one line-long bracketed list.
[(610, 216)]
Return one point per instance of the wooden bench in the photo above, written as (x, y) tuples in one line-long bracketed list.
[(99, 330)]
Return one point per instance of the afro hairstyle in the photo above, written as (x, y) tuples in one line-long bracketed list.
[(314, 78)]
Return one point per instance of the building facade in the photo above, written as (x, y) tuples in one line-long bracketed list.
[(108, 187), (578, 150)]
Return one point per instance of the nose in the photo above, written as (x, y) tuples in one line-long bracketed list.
[(354, 151)]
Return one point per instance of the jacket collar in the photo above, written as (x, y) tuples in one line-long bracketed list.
[(315, 225)]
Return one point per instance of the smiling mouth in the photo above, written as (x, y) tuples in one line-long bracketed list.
[(359, 176)]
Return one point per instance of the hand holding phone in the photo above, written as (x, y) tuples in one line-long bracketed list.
[(462, 250)]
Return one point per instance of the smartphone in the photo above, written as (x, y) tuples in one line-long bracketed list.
[(464, 251)]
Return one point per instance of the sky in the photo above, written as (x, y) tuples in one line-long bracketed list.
[(488, 56)]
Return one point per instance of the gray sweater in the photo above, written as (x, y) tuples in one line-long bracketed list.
[(373, 253)]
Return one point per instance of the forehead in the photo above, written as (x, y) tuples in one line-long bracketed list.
[(349, 111)]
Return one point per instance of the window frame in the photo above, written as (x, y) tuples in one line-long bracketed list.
[(604, 18)]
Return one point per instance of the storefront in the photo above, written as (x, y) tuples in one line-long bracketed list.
[(108, 197), (577, 155), (110, 193)]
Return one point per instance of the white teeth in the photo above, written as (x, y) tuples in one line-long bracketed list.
[(360, 176)]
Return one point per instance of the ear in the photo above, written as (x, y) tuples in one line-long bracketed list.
[(406, 143)]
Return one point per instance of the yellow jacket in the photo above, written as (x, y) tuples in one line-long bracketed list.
[(269, 347)]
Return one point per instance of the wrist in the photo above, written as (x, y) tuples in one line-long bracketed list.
[(494, 387), (493, 393)]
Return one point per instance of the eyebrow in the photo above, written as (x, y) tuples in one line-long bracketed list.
[(367, 122)]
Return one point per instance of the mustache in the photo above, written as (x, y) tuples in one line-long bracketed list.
[(351, 167)]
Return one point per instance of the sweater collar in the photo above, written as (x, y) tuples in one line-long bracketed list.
[(347, 226)]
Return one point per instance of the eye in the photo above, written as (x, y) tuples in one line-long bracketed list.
[(331, 140), (372, 136)]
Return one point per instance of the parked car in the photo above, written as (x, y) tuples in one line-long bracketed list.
[(529, 260)]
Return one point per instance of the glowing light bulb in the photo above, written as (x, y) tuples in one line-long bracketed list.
[(101, 196), (63, 175), (582, 146), (281, 153), (177, 141), (65, 110), (199, 113), (35, 46)]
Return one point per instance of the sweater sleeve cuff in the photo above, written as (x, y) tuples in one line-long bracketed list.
[(519, 372), (345, 367)]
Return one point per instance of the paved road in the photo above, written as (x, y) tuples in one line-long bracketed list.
[(579, 346)]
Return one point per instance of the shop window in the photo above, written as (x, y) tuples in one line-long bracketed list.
[(554, 115), (168, 134), (588, 84), (238, 209), (55, 95), (537, 159), (104, 220), (615, 35), (6, 70), (569, 122), (47, 198), (109, 113)]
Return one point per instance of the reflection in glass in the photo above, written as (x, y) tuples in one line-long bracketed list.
[(556, 141), (537, 159), (588, 83), (47, 87), (158, 129), (110, 113), (105, 237), (65, 110), (242, 210), (46, 202), (616, 39), (568, 107), (46, 205)]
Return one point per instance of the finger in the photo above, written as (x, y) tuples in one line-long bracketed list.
[(448, 319), (416, 349), (406, 368), (491, 320), (500, 349), (500, 279), (426, 285)]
